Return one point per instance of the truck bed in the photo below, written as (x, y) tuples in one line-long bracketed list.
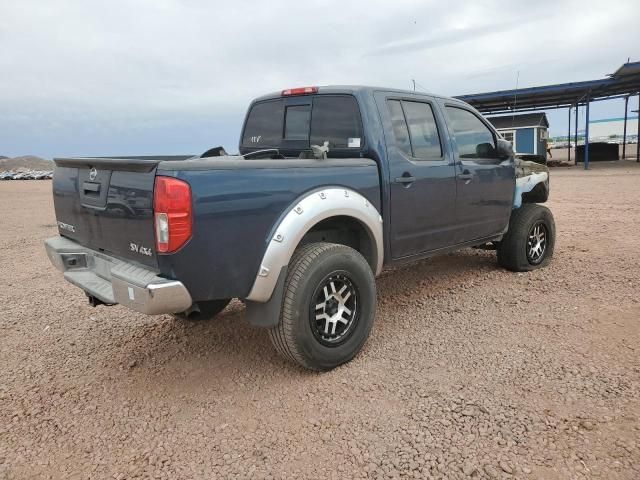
[(236, 202)]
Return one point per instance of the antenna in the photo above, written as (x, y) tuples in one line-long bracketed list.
[(515, 100)]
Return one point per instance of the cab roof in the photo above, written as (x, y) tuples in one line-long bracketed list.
[(355, 90)]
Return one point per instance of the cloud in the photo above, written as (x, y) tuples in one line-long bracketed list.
[(156, 76), (453, 36)]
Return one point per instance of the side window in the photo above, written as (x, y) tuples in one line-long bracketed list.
[(473, 138), (508, 136), (296, 122), (400, 130), (423, 131), (336, 119)]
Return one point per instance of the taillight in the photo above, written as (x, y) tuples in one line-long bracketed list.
[(299, 91), (172, 213)]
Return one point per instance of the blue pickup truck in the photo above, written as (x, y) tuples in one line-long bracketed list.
[(330, 186)]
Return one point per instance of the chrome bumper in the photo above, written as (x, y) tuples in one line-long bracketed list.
[(114, 281)]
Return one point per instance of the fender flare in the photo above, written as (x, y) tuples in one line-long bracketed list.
[(304, 214), (526, 184)]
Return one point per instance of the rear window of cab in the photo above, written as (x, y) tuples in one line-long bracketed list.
[(298, 122)]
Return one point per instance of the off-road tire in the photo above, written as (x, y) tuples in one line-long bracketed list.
[(513, 249), (296, 337), (207, 311)]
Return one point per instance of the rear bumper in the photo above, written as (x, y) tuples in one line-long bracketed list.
[(114, 281)]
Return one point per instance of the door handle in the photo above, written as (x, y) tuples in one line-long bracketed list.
[(405, 180), (91, 187)]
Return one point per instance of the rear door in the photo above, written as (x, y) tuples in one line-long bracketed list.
[(422, 175), (485, 183)]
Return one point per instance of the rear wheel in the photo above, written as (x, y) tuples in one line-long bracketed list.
[(328, 307), (530, 240), (204, 310)]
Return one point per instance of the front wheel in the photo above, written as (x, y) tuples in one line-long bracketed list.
[(530, 240), (328, 307)]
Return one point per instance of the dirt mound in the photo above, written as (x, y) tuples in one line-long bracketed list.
[(559, 163), (25, 162)]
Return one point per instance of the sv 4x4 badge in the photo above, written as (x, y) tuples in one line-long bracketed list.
[(134, 247)]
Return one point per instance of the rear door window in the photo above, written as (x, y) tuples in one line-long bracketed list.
[(399, 125), (415, 129), (425, 140)]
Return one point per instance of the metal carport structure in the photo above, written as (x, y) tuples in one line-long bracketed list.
[(623, 83)]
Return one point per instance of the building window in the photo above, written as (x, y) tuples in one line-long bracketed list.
[(508, 136)]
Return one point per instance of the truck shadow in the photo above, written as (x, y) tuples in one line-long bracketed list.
[(435, 275), (227, 354)]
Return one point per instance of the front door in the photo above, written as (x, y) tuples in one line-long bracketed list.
[(485, 183), (422, 175)]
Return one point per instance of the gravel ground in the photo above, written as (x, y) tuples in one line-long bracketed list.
[(470, 372)]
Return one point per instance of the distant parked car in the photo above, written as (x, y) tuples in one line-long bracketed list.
[(30, 175)]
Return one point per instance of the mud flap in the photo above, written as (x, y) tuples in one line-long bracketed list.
[(267, 314)]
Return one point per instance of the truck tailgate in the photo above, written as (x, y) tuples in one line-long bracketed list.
[(106, 204)]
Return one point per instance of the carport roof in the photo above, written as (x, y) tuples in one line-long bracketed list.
[(624, 81), (520, 121)]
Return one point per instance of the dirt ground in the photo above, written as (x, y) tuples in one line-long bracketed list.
[(470, 371)]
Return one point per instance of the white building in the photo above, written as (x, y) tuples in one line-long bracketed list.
[(611, 128)]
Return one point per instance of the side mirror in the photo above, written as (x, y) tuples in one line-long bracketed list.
[(485, 150), (504, 149)]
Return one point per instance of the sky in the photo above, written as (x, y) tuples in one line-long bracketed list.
[(84, 77)]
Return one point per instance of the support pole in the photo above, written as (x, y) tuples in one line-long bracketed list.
[(638, 134), (624, 131), (575, 139), (569, 138), (586, 136)]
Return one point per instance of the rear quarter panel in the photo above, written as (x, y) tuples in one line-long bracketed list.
[(237, 205)]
